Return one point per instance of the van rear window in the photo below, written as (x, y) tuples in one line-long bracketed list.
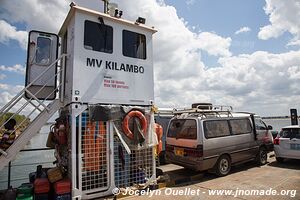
[(183, 129), (218, 128), (290, 133)]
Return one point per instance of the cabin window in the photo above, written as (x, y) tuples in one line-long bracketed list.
[(98, 37), (134, 45), (218, 128), (42, 56), (183, 129), (240, 126)]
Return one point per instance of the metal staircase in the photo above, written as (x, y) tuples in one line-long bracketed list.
[(33, 109)]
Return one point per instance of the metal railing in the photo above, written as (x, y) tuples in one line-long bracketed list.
[(11, 165), (31, 107)]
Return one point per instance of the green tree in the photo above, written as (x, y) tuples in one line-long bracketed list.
[(22, 121)]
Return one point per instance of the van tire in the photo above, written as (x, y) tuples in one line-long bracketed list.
[(162, 158), (279, 159), (262, 156), (223, 165)]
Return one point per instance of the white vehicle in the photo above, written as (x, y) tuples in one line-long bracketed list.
[(287, 143)]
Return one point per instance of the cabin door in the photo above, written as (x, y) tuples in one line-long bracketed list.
[(41, 71)]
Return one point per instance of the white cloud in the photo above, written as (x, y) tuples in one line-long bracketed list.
[(264, 83), (294, 72), (7, 92), (250, 82), (12, 89), (214, 44), (176, 48), (243, 30), (5, 97), (258, 82), (43, 15), (284, 17), (8, 32), (171, 27), (262, 79), (16, 68), (294, 42)]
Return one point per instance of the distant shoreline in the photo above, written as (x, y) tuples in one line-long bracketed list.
[(279, 117)]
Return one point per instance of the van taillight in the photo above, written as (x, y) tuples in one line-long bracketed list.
[(267, 138), (276, 141), (198, 152), (169, 148)]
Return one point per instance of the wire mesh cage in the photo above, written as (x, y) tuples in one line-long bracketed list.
[(129, 169), (134, 168), (94, 148)]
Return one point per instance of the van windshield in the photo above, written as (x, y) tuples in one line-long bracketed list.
[(183, 129)]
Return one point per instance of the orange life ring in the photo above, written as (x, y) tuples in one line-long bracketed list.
[(130, 115)]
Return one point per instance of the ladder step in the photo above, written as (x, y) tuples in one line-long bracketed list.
[(28, 133)]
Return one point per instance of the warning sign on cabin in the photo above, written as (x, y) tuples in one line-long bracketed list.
[(115, 84)]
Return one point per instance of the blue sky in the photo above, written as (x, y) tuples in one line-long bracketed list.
[(225, 18), (240, 53)]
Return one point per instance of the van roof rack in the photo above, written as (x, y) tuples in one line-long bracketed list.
[(203, 113), (215, 111), (165, 111)]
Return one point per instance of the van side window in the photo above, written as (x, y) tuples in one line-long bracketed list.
[(218, 128), (183, 129), (134, 45), (98, 37), (259, 124), (240, 126)]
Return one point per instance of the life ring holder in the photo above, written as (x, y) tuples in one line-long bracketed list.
[(125, 124)]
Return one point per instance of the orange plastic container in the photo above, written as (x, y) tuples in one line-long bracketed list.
[(41, 186), (159, 134), (62, 187)]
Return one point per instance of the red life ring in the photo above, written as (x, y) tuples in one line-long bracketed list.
[(125, 125)]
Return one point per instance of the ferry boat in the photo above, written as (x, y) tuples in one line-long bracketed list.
[(97, 73)]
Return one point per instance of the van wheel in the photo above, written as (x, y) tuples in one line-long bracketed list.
[(262, 156), (280, 160), (223, 165)]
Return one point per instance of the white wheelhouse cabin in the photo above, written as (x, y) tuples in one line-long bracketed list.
[(104, 73)]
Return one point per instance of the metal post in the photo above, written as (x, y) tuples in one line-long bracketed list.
[(9, 175), (106, 2), (63, 73), (294, 117)]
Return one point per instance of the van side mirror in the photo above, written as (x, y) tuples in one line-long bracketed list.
[(270, 127)]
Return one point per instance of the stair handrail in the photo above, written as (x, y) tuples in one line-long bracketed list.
[(20, 95), (22, 92), (35, 107)]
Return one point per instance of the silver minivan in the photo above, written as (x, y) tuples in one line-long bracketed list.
[(210, 139)]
